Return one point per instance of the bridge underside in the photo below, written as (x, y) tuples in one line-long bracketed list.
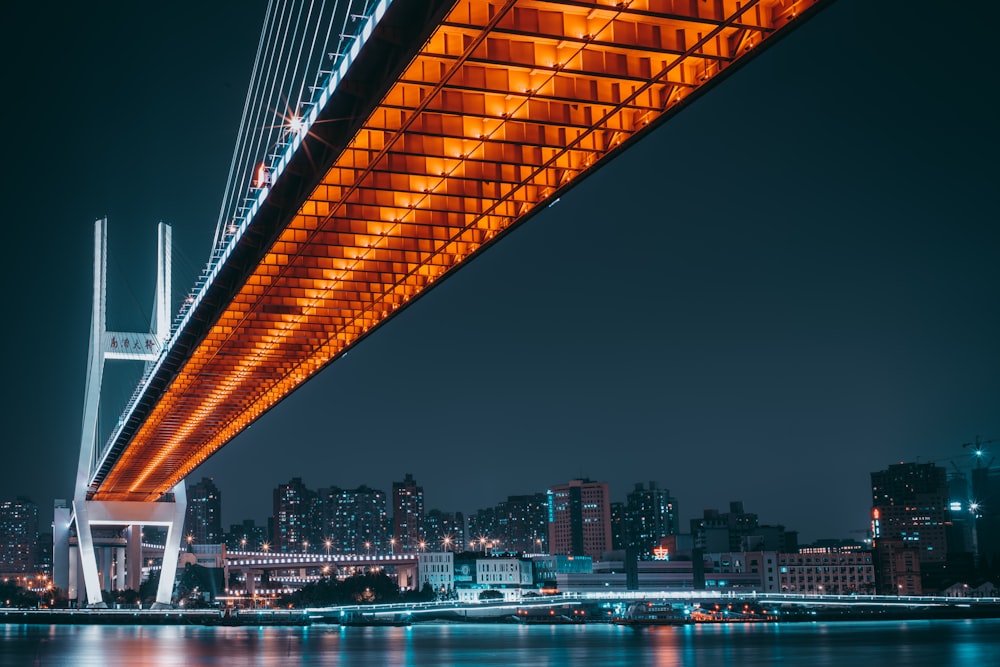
[(500, 110)]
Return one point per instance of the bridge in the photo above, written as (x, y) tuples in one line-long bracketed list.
[(434, 128)]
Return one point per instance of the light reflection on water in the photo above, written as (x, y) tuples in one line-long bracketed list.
[(930, 643)]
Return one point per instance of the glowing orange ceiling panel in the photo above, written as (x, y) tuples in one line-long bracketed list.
[(502, 108)]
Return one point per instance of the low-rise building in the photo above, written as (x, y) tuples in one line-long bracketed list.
[(827, 571), (547, 568), (742, 571), (437, 569)]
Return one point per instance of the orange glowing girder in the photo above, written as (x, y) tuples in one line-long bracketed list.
[(500, 110)]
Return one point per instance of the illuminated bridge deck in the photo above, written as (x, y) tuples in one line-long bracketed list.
[(456, 121)]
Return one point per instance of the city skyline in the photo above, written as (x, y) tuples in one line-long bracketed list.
[(356, 520), (788, 286)]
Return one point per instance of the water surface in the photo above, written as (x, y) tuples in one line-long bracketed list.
[(966, 643)]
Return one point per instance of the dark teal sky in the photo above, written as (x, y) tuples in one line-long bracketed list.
[(789, 285)]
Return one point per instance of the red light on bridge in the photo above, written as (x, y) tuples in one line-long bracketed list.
[(262, 177)]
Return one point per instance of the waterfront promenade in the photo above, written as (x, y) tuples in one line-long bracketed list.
[(585, 607)]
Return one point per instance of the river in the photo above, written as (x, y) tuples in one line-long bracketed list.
[(965, 643)]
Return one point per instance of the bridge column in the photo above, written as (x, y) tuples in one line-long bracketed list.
[(172, 549), (251, 584), (107, 573), (87, 556), (120, 569), (133, 557), (91, 513), (73, 576), (60, 546)]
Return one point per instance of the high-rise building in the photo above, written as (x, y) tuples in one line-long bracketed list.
[(246, 536), (772, 538), (484, 526), (985, 515), (354, 520), (579, 519), (719, 531), (516, 525), (960, 515), (910, 505), (203, 516), (618, 537), (910, 528), (650, 514), (293, 516), (445, 531), (407, 515), (526, 525), (18, 536)]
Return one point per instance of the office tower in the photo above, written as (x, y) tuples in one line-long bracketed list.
[(579, 518)]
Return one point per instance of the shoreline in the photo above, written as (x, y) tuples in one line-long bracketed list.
[(302, 617)]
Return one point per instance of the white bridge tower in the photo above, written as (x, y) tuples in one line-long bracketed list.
[(121, 560)]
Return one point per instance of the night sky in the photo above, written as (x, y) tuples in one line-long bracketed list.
[(791, 284)]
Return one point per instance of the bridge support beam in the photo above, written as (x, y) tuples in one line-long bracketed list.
[(133, 559), (92, 513), (172, 549)]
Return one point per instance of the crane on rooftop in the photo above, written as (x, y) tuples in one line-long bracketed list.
[(979, 452)]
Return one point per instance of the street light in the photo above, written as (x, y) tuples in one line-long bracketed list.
[(446, 542), (422, 545), (392, 546), (327, 543), (368, 548), (265, 547), (305, 546)]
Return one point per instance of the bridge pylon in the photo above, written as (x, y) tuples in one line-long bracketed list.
[(128, 515)]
